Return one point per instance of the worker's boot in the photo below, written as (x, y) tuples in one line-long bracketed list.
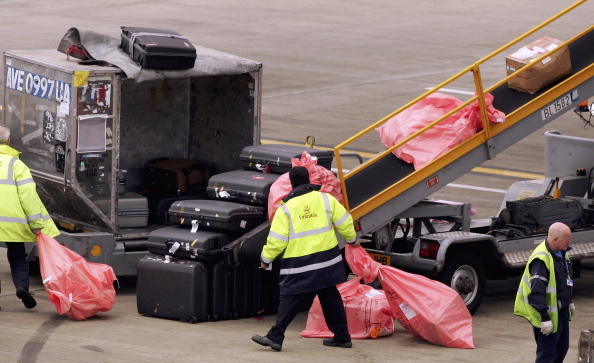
[(333, 343), (26, 297), (265, 341)]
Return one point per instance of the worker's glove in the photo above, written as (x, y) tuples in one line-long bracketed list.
[(546, 327), (572, 309)]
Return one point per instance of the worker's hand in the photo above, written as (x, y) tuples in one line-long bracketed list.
[(37, 231), (546, 327), (263, 265), (572, 309), (357, 243)]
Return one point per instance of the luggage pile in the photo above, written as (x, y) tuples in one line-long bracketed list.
[(194, 272)]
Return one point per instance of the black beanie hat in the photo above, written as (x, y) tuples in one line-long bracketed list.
[(299, 175)]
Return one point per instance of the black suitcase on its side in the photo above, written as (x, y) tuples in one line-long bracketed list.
[(159, 204), (179, 241), (539, 213), (174, 290), (216, 215), (242, 186), (221, 292), (157, 48), (276, 158)]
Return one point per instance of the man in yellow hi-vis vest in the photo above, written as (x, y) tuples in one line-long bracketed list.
[(545, 294), (304, 228), (22, 215)]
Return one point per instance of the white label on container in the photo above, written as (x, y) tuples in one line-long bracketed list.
[(408, 311), (242, 224), (373, 293)]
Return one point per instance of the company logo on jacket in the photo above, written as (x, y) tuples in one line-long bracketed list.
[(308, 213)]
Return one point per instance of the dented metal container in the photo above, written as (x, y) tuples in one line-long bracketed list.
[(80, 126)]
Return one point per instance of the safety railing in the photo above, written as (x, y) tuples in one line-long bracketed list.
[(468, 145)]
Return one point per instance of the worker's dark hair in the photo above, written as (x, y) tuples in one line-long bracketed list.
[(299, 175)]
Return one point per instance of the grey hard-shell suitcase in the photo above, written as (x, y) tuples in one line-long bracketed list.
[(276, 158), (243, 186), (216, 215), (173, 289), (133, 210), (180, 241), (157, 48)]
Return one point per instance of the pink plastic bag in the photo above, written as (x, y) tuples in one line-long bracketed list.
[(317, 175), (367, 309), (76, 287), (440, 138), (361, 263), (426, 308)]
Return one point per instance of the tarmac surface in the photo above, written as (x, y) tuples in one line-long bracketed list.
[(330, 69)]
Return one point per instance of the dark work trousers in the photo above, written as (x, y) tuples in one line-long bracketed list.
[(553, 347), (332, 307), (19, 268)]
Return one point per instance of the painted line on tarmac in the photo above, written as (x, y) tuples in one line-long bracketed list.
[(451, 90), (33, 347), (474, 187), (479, 169)]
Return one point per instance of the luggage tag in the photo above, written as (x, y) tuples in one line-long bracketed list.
[(195, 225), (223, 194), (174, 247), (569, 282)]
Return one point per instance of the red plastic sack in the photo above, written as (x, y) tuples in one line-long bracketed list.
[(76, 287), (367, 309), (440, 138), (317, 175), (426, 308)]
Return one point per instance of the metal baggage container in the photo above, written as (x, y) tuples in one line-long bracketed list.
[(216, 215), (243, 186), (276, 158)]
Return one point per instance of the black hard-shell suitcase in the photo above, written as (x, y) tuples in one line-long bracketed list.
[(243, 186), (159, 204), (176, 176), (216, 215), (539, 213), (221, 287), (276, 158), (172, 288), (157, 48), (180, 241)]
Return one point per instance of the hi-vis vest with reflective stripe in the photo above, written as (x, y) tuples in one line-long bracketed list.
[(304, 228), (21, 210), (522, 307)]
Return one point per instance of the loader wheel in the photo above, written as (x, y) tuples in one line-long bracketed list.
[(466, 275)]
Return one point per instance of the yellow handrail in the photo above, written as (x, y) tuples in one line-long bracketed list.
[(479, 92)]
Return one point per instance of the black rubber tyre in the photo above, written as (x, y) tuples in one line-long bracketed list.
[(466, 275)]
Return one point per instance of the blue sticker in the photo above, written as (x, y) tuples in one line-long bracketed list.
[(36, 85)]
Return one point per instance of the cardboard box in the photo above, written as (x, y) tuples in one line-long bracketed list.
[(548, 70)]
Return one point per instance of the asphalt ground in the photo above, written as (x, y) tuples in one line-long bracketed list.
[(330, 69)]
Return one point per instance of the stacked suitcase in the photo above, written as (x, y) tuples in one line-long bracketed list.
[(197, 248)]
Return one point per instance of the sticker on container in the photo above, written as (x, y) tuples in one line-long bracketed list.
[(49, 127), (407, 311), (243, 223)]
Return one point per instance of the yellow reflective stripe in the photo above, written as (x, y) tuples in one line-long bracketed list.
[(10, 173), (311, 232), (286, 209), (328, 209), (312, 267), (542, 278), (24, 181), (342, 219), (14, 220), (278, 236)]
